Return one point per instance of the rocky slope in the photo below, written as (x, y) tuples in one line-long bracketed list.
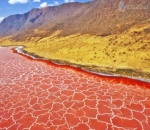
[(99, 17)]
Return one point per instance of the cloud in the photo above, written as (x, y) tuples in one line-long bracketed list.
[(45, 4), (1, 18), (56, 3), (68, 1), (36, 0), (17, 1)]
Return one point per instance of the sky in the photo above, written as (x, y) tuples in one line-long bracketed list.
[(10, 7)]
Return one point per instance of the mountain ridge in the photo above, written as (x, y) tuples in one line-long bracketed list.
[(99, 17), (18, 22)]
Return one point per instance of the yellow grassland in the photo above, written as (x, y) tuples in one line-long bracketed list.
[(128, 50)]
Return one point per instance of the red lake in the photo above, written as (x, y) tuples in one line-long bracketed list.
[(39, 95)]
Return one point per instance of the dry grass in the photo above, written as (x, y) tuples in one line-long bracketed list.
[(131, 49)]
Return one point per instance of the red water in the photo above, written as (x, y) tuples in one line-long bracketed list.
[(37, 95)]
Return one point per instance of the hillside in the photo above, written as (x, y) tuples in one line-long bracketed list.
[(103, 36), (98, 17)]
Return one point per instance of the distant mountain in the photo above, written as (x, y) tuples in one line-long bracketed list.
[(98, 17)]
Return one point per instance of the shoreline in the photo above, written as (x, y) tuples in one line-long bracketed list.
[(20, 50)]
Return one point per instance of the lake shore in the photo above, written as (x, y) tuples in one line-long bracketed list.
[(103, 71)]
